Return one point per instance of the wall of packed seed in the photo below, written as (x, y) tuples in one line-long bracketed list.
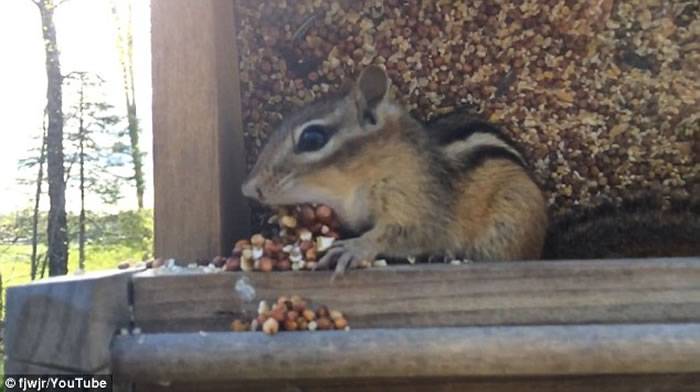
[(603, 95)]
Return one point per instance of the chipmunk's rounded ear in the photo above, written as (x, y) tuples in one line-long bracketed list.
[(371, 88), (373, 85)]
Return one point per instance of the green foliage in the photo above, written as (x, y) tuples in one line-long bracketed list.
[(17, 227), (112, 238), (132, 230)]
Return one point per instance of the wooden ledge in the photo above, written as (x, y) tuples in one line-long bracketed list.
[(516, 293), (408, 353)]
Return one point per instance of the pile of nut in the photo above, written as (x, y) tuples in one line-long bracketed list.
[(302, 234), (292, 314), (603, 96), (305, 233)]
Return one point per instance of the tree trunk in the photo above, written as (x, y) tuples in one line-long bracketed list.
[(57, 231), (37, 199), (81, 139), (126, 61)]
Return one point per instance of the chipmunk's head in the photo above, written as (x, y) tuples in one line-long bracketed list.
[(303, 158)]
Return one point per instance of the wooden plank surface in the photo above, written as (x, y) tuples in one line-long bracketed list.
[(199, 157), (410, 353), (564, 292), (66, 323)]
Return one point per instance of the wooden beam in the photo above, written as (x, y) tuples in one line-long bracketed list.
[(410, 353), (66, 323), (199, 156), (597, 383), (564, 292)]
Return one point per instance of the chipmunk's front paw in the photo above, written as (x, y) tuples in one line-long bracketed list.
[(348, 254)]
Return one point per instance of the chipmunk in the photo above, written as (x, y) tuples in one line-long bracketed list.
[(458, 192)]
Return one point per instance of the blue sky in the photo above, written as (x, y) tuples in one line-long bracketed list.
[(86, 39)]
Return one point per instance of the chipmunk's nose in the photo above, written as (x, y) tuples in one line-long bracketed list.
[(251, 189)]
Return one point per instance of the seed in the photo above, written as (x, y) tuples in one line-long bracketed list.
[(291, 325), (340, 323), (283, 265), (334, 314), (257, 240), (307, 214), (271, 326), (324, 214), (232, 264), (309, 315), (324, 323), (265, 264), (322, 311), (289, 221)]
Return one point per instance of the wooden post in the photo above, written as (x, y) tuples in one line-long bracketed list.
[(199, 155)]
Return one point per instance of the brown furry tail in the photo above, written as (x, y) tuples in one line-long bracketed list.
[(640, 227)]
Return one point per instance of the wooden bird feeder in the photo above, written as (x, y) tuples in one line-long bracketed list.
[(613, 325)]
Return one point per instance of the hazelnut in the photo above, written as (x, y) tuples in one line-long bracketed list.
[(289, 305), (291, 325), (271, 248), (297, 302), (324, 323), (247, 265), (322, 311), (302, 324), (284, 265), (334, 314), (278, 313), (316, 227), (305, 245), (266, 264), (257, 240), (292, 315), (232, 264), (239, 326), (307, 214), (324, 214), (271, 326), (311, 254), (218, 261), (241, 244), (288, 221), (340, 323), (309, 315)]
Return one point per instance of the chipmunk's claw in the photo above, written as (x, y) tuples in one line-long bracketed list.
[(347, 254)]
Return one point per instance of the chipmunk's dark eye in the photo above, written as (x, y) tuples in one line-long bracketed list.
[(312, 138)]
